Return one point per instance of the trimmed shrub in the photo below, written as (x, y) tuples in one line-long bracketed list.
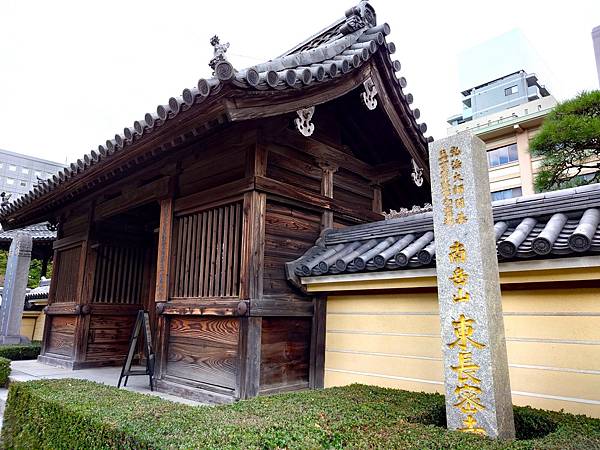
[(49, 414), (20, 352), (4, 371)]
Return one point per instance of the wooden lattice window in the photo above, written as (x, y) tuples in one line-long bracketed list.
[(207, 253), (119, 275), (67, 275)]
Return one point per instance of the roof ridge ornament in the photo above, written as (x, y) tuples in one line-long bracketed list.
[(303, 121), (222, 69), (368, 97), (417, 174), (360, 16)]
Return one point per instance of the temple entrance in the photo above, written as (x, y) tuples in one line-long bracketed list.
[(124, 253)]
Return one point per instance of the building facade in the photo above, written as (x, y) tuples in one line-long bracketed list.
[(19, 173), (192, 214), (506, 114), (596, 40)]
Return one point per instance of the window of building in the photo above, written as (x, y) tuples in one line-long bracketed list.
[(25, 170), (511, 90), (502, 155), (37, 173), (12, 168), (10, 181), (507, 193), (23, 183)]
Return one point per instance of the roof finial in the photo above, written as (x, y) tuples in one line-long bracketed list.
[(222, 69), (359, 16)]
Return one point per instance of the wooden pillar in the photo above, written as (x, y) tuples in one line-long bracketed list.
[(252, 275), (165, 233), (85, 285), (327, 190), (377, 202), (52, 289)]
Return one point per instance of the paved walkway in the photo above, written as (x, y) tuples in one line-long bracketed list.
[(34, 370)]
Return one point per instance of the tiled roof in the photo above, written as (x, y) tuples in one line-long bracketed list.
[(39, 292), (39, 233), (555, 224), (333, 53)]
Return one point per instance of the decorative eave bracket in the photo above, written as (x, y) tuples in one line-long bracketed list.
[(368, 97), (303, 121), (417, 174)]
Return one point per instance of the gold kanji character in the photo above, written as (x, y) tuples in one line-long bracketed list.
[(461, 296), (454, 151), (458, 189), (463, 330), (468, 399), (461, 218), (459, 202), (469, 426), (466, 368), (458, 253), (457, 177), (443, 155), (456, 164), (459, 276)]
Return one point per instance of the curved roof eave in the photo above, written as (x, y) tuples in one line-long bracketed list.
[(337, 65)]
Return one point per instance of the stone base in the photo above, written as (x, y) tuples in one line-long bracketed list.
[(55, 361), (14, 340)]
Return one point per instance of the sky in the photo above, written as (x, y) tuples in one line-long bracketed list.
[(74, 73)]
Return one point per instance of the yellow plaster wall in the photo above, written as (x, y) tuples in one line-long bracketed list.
[(393, 340), (32, 325)]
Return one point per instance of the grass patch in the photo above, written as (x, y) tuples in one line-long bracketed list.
[(81, 414)]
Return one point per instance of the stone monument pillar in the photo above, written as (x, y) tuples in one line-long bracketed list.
[(15, 285), (478, 398)]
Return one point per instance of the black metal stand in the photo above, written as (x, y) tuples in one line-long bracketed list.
[(142, 323)]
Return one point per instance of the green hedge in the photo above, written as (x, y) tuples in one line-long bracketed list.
[(4, 371), (20, 352), (52, 414)]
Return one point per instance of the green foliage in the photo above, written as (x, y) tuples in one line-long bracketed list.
[(50, 414), (35, 270), (569, 143), (3, 263), (20, 352), (4, 371)]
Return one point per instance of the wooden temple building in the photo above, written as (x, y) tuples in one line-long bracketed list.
[(193, 212)]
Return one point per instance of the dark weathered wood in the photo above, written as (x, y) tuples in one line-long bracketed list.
[(164, 250), (377, 203), (133, 196), (252, 245), (285, 351), (214, 197), (204, 350), (281, 306), (250, 357), (203, 306)]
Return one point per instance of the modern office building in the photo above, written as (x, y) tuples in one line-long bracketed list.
[(506, 113), (596, 40), (19, 173), (499, 95)]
